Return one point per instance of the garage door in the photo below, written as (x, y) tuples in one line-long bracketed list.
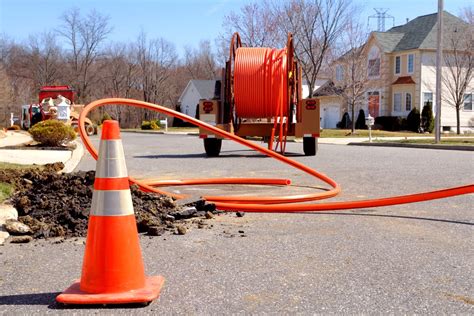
[(330, 116)]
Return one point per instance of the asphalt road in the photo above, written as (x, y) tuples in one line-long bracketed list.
[(415, 258)]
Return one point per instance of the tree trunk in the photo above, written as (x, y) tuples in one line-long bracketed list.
[(352, 118), (458, 120), (310, 89)]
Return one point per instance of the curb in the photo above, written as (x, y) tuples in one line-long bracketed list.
[(76, 156), (421, 146)]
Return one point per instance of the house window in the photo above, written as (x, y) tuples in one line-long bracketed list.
[(397, 102), (427, 98), (397, 65), (468, 102), (374, 67), (339, 73), (411, 63), (408, 102)]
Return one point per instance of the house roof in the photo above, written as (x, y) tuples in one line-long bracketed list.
[(205, 88), (419, 33), (388, 41), (327, 89), (404, 80)]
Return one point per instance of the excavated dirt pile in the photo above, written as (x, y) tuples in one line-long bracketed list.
[(58, 205)]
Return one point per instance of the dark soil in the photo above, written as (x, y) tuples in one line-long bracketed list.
[(58, 205)]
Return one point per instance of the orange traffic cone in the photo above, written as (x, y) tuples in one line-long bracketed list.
[(112, 271)]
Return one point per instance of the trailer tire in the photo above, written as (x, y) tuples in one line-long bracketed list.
[(212, 146), (90, 129), (310, 146)]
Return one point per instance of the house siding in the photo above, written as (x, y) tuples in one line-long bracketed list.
[(428, 84), (189, 101)]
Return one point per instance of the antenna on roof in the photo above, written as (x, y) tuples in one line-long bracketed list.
[(381, 15)]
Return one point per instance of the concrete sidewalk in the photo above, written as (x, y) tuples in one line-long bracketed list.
[(31, 156), (15, 138)]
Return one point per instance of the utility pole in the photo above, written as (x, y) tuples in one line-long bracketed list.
[(439, 59)]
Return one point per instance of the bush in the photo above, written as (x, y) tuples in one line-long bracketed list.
[(427, 118), (13, 128), (413, 120), (360, 122), (52, 133), (345, 121), (146, 125), (389, 123), (150, 125)]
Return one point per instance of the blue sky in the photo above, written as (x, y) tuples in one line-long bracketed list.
[(183, 22)]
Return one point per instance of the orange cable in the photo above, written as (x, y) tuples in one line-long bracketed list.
[(269, 203)]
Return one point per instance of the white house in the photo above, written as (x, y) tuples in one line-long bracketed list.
[(195, 91)]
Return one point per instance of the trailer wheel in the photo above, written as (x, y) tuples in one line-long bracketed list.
[(310, 146), (212, 146), (90, 129)]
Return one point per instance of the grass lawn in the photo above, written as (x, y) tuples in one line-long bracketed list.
[(6, 190), (444, 141), (330, 133), (7, 165)]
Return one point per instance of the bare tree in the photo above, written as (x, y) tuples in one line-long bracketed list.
[(156, 61), (6, 104), (200, 63), (459, 68), (43, 60), (118, 75), (256, 24), (119, 71), (23, 91), (467, 14), (84, 35), (5, 44), (316, 25), (156, 58), (351, 71)]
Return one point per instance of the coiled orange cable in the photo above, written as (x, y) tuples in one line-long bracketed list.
[(260, 80), (282, 204), (260, 87)]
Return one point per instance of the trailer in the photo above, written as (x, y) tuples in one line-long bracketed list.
[(260, 95)]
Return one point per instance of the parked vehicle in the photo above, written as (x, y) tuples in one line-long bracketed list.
[(55, 102)]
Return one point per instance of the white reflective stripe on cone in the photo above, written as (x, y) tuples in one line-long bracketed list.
[(112, 203), (111, 160)]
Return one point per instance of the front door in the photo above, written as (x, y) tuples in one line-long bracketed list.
[(374, 103)]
